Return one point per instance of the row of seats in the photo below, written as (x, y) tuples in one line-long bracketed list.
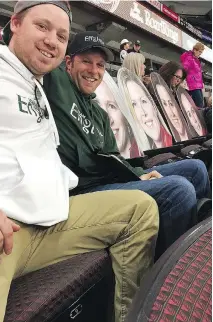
[(80, 289)]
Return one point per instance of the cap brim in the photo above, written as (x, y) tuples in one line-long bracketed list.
[(6, 33), (108, 52)]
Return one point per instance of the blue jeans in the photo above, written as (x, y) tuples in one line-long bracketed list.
[(176, 194), (197, 96)]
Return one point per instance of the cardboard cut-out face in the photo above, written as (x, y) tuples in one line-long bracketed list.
[(192, 115), (170, 108), (144, 110), (107, 98)]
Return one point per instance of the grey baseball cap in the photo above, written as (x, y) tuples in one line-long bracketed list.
[(22, 5)]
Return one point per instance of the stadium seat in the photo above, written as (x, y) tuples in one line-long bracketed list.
[(178, 287), (79, 289)]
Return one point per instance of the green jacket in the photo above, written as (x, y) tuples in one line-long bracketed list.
[(84, 131)]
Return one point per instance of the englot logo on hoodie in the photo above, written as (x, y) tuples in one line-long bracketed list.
[(30, 106)]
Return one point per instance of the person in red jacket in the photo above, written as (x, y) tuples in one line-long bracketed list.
[(192, 65)]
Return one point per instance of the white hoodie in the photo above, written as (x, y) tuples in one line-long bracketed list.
[(34, 184)]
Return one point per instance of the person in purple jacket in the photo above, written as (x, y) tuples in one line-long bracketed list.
[(192, 65)]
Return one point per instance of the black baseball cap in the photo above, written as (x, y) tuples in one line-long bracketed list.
[(137, 42), (87, 40), (23, 5)]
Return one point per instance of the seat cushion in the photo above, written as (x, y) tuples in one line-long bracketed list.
[(178, 287), (43, 294), (186, 292)]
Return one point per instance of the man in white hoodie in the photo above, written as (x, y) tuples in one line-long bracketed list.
[(34, 184)]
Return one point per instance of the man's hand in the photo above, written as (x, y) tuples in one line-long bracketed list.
[(7, 228), (151, 175)]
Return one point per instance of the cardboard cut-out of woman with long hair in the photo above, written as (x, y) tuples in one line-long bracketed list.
[(144, 109), (170, 109), (174, 74), (193, 118), (121, 128)]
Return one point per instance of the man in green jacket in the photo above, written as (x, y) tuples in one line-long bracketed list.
[(85, 135)]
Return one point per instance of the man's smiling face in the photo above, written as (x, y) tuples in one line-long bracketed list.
[(39, 40), (87, 70)]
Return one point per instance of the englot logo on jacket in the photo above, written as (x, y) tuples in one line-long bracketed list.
[(86, 124)]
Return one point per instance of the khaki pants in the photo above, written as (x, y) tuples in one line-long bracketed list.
[(125, 221)]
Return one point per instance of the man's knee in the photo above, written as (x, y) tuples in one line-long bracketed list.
[(197, 165), (147, 210), (143, 199), (182, 191), (131, 197)]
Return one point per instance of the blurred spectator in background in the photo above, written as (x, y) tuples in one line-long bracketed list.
[(173, 74), (209, 101), (192, 65), (135, 63), (184, 85), (124, 47), (136, 47)]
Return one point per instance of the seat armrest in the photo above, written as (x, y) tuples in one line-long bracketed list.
[(137, 162), (199, 140), (171, 149)]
